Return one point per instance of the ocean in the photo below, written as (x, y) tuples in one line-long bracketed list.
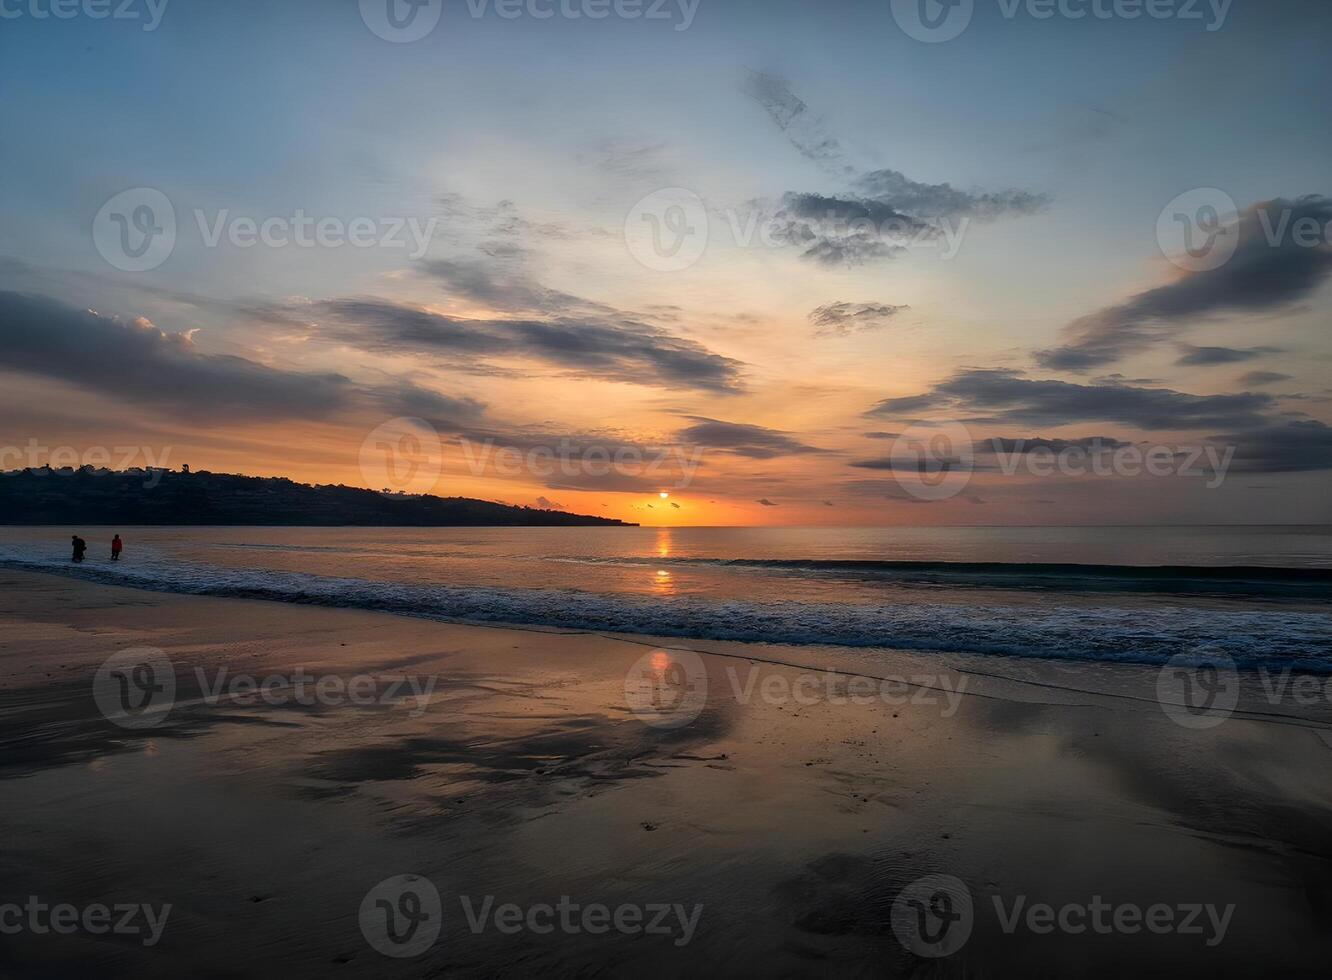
[(1260, 595)]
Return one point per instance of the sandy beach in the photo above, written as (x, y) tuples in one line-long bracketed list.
[(769, 833)]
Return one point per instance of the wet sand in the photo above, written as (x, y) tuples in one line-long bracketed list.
[(528, 775)]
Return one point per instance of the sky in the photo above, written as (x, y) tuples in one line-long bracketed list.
[(799, 263)]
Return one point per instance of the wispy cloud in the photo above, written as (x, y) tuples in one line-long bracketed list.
[(1004, 396), (1268, 272), (840, 319)]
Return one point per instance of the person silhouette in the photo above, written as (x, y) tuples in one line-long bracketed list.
[(80, 546), (116, 546)]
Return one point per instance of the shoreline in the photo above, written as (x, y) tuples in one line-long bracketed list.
[(529, 776)]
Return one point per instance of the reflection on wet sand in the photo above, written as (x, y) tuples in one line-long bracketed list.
[(533, 774)]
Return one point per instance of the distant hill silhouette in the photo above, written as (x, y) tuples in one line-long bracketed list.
[(89, 496)]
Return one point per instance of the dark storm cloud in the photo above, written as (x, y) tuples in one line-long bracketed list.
[(1270, 269), (138, 363), (840, 319), (591, 346), (1003, 396), (1288, 447), (753, 441), (1195, 356)]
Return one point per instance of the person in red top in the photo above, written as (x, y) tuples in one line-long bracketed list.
[(116, 545)]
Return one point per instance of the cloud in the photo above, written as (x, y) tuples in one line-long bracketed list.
[(612, 482), (806, 132), (139, 363), (889, 464), (504, 287), (767, 503), (1269, 270), (881, 489), (1195, 356), (1005, 397), (895, 190), (840, 319), (1256, 379), (874, 213), (634, 161), (588, 346), (1001, 444), (1287, 447), (752, 441)]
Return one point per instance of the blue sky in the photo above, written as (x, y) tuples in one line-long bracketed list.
[(524, 143)]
